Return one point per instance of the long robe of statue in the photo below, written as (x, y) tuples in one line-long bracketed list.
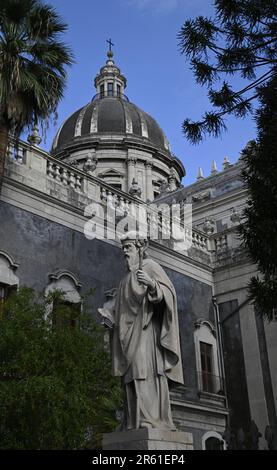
[(145, 345)]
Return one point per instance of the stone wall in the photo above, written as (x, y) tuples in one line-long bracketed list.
[(42, 247)]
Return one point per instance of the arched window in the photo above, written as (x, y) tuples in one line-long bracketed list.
[(8, 280), (65, 283), (207, 357), (213, 441)]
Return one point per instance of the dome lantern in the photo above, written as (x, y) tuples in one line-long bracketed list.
[(110, 82)]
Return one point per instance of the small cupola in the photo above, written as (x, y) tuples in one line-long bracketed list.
[(110, 82)]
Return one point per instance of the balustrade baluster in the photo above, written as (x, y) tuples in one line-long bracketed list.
[(78, 183), (64, 177), (57, 175), (50, 169), (19, 155), (10, 152), (72, 180)]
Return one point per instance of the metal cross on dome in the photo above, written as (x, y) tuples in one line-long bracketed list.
[(109, 41)]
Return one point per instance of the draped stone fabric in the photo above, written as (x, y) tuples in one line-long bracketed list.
[(146, 347)]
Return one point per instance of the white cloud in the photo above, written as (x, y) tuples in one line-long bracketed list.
[(156, 5)]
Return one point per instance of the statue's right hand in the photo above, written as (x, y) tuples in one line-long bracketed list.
[(144, 279)]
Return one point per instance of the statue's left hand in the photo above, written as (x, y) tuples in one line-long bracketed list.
[(144, 279)]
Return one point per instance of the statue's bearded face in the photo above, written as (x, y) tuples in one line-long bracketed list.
[(131, 254)]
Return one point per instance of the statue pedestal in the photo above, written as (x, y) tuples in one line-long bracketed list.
[(148, 439)]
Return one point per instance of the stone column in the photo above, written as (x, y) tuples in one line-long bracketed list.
[(115, 83), (149, 188)]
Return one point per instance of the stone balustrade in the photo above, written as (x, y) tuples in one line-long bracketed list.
[(116, 200), (66, 176), (16, 153), (36, 168), (199, 240), (226, 247), (220, 243)]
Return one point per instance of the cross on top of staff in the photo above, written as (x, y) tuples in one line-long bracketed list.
[(109, 41)]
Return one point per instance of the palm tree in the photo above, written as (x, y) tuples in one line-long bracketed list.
[(32, 67)]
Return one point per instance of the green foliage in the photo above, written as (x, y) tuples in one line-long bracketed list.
[(56, 389), (259, 229), (241, 40), (32, 62)]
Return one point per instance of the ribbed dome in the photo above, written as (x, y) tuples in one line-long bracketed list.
[(110, 115)]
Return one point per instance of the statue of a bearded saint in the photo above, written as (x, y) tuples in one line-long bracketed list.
[(145, 339)]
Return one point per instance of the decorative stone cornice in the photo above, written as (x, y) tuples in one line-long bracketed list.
[(56, 276), (11, 261), (204, 322)]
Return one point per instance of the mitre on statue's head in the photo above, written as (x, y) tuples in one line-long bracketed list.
[(133, 235), (140, 241)]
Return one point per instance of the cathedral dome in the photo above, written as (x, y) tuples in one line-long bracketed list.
[(110, 115), (114, 140)]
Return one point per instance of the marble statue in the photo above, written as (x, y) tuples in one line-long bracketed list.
[(145, 338)]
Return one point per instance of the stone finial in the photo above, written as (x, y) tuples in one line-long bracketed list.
[(90, 164), (226, 163), (214, 168), (200, 174), (135, 190), (172, 181), (110, 61), (34, 138), (74, 163), (235, 216), (164, 186), (209, 226)]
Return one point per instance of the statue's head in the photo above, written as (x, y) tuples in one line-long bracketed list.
[(133, 247)]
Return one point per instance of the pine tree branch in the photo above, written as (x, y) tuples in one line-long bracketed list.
[(257, 82)]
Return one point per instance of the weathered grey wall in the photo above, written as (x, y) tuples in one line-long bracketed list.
[(42, 247), (234, 366), (194, 302)]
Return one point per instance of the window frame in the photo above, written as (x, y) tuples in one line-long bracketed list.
[(205, 333), (110, 90), (67, 283), (207, 366)]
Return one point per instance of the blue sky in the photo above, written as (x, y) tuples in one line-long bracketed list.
[(159, 79)]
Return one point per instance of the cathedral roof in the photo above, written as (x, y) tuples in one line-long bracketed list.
[(110, 115)]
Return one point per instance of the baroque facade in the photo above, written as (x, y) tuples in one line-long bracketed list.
[(112, 153)]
